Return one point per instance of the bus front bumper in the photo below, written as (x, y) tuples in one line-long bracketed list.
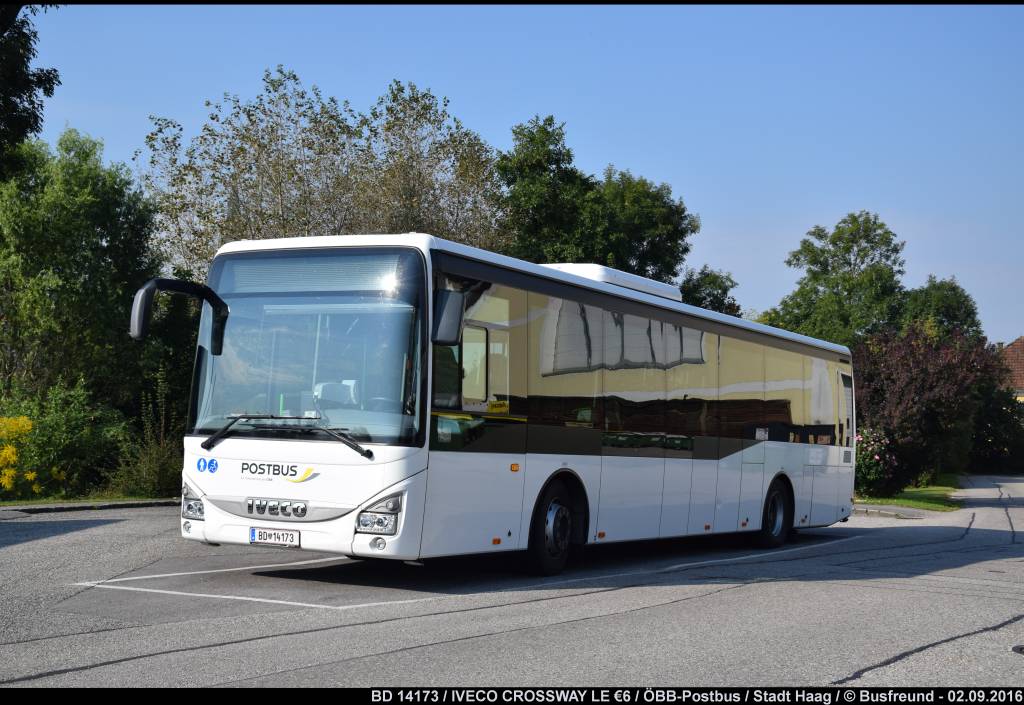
[(331, 536)]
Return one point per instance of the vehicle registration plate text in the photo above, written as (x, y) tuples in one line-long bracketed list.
[(274, 537)]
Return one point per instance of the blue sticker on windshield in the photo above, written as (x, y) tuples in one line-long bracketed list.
[(201, 464), (212, 465)]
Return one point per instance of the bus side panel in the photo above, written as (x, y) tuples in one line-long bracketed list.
[(631, 497), (474, 503), (727, 501), (540, 467), (675, 503), (790, 459), (824, 490), (844, 496), (751, 496), (803, 492), (703, 490)]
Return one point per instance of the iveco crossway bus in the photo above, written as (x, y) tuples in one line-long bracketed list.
[(406, 397)]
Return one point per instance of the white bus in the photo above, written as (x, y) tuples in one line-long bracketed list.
[(406, 397)]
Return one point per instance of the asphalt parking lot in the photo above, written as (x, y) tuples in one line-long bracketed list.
[(115, 597)]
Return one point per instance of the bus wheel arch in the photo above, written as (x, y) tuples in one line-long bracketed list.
[(778, 513), (562, 500), (580, 503), (788, 484)]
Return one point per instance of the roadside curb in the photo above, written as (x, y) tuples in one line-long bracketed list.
[(890, 514), (89, 506)]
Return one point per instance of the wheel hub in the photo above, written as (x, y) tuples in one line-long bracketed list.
[(557, 526)]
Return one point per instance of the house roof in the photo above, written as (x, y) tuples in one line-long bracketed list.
[(1013, 355)]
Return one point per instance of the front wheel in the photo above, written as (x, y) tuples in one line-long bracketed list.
[(551, 531), (777, 519)]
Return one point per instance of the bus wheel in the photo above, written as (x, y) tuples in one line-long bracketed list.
[(551, 530), (777, 518)]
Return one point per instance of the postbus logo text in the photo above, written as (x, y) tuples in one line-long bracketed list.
[(273, 469)]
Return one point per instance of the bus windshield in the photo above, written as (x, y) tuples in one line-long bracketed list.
[(327, 335)]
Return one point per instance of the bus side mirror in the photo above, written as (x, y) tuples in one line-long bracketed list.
[(448, 307), (142, 307)]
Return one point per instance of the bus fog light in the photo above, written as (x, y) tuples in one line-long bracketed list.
[(192, 509), (187, 527), (376, 523), (378, 543)]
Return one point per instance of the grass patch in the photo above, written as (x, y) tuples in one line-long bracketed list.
[(935, 497)]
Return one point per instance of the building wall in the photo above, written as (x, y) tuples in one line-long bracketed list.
[(1013, 355)]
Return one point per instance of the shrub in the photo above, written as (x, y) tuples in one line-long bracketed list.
[(150, 464), (878, 467), (71, 442), (13, 431), (919, 388)]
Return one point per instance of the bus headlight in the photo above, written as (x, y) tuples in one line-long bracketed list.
[(191, 505), (381, 518)]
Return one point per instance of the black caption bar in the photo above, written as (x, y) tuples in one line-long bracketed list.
[(698, 696)]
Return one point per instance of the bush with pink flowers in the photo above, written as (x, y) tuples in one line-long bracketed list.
[(877, 465)]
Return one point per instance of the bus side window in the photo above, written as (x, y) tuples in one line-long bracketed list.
[(447, 372), (846, 415), (474, 366), (498, 372)]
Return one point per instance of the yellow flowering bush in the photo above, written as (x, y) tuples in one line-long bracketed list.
[(14, 431), (65, 443), (13, 427)]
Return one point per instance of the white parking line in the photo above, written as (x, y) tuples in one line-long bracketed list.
[(217, 570), (255, 599), (695, 564)]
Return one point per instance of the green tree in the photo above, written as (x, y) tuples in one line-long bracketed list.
[(711, 289), (22, 87), (851, 283), (556, 213), (942, 304), (291, 162), (423, 170), (280, 165), (637, 226), (919, 389), (998, 430), (545, 193), (74, 246)]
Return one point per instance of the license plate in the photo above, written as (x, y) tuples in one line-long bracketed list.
[(274, 537)]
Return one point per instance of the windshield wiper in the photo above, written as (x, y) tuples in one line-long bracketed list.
[(337, 433), (235, 418)]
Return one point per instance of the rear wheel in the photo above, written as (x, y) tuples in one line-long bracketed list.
[(551, 530), (777, 519)]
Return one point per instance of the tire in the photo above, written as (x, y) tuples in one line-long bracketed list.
[(551, 531), (776, 518)]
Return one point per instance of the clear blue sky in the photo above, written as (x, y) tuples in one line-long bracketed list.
[(767, 121)]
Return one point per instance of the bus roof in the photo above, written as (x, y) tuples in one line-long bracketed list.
[(426, 243)]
